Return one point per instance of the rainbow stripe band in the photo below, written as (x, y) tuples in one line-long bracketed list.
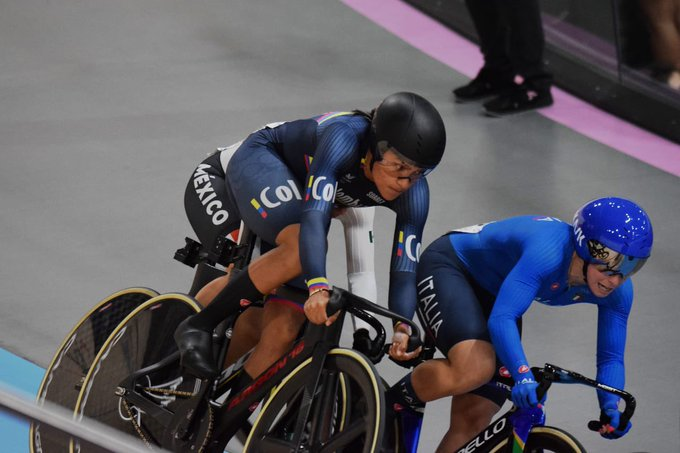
[(330, 115), (318, 283)]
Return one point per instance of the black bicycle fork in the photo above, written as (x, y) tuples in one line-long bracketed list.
[(316, 342)]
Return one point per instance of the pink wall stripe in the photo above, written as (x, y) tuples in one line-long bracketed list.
[(442, 44)]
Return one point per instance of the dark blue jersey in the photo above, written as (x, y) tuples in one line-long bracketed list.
[(326, 153), (526, 259)]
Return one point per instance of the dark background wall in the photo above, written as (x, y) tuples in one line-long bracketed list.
[(598, 51)]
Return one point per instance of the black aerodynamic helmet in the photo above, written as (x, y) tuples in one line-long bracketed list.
[(412, 127)]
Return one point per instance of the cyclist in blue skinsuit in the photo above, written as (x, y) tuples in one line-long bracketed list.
[(474, 285), (284, 181)]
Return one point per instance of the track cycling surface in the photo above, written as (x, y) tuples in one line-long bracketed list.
[(108, 106)]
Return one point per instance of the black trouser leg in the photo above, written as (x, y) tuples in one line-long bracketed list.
[(493, 35), (526, 41)]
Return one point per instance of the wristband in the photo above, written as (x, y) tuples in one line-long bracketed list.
[(318, 290), (398, 323), (317, 283)]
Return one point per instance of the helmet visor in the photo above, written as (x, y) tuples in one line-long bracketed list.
[(383, 146), (611, 262)]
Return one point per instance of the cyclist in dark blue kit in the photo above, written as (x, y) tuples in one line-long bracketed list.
[(474, 285), (284, 181)]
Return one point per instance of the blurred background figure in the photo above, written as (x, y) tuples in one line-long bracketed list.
[(664, 29), (511, 39)]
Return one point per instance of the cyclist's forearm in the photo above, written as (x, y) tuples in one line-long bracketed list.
[(611, 346), (313, 245), (403, 296), (508, 345), (611, 373)]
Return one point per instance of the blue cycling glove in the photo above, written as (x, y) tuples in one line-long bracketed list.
[(610, 418), (524, 392)]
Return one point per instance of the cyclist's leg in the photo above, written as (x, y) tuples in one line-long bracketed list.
[(467, 365), (208, 292), (255, 177), (281, 332), (450, 307), (246, 334), (450, 310), (281, 324), (254, 172), (470, 414), (257, 173)]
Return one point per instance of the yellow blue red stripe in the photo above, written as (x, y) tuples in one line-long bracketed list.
[(317, 283), (400, 245), (259, 208), (308, 192)]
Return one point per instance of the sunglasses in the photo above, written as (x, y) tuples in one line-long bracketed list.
[(403, 168)]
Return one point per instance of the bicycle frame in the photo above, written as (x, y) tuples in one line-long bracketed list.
[(515, 425), (230, 411)]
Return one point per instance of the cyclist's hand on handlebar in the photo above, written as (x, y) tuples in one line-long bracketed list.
[(524, 393), (610, 419), (398, 350), (315, 308)]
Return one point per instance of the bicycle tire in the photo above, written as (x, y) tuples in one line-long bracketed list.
[(73, 358), (339, 416), (132, 345), (550, 439), (547, 439), (357, 426)]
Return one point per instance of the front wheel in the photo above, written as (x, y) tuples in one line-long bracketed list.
[(544, 439), (347, 413)]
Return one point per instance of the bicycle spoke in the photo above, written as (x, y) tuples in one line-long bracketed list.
[(345, 413), (343, 438), (271, 445), (285, 415)]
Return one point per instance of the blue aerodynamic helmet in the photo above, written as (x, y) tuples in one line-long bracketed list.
[(613, 232)]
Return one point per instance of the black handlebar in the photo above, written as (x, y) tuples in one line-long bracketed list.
[(360, 307), (552, 373), (626, 415), (335, 302)]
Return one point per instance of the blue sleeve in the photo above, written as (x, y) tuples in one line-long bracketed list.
[(411, 208), (514, 298), (335, 151), (518, 291), (612, 320)]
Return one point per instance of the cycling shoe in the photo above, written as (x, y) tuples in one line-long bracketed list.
[(195, 349)]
